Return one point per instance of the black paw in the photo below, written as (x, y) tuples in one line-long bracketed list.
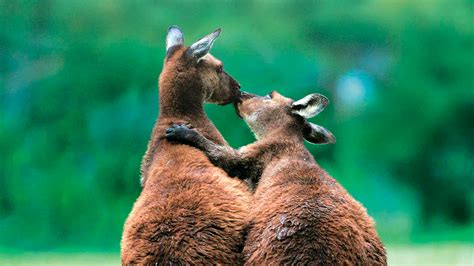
[(179, 132)]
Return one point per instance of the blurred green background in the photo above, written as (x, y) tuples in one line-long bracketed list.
[(78, 100)]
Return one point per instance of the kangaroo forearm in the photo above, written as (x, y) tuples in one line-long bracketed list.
[(226, 158), (233, 162), (244, 163)]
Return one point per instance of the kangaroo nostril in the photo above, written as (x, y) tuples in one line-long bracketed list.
[(235, 85)]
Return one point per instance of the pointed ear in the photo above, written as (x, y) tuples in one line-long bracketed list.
[(175, 37), (318, 134), (202, 47), (310, 105)]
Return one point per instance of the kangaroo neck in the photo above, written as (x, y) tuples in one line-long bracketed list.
[(280, 156), (181, 102), (273, 150)]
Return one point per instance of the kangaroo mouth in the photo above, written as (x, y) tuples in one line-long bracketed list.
[(232, 99), (243, 95), (236, 93), (236, 107)]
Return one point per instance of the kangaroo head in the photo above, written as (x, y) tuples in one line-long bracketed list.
[(194, 68), (276, 114)]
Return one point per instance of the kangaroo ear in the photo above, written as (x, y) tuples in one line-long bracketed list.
[(202, 47), (310, 105), (318, 134), (175, 37)]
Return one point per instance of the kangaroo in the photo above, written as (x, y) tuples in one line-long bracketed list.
[(189, 211), (300, 214)]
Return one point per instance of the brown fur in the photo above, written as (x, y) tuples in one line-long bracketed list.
[(189, 211), (299, 214)]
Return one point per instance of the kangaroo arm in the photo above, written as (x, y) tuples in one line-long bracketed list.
[(235, 163)]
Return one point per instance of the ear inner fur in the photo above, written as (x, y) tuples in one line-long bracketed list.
[(310, 105), (201, 47), (174, 37)]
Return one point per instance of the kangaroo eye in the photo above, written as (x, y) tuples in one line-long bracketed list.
[(220, 69)]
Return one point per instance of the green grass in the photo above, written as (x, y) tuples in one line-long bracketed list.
[(432, 254), (52, 258)]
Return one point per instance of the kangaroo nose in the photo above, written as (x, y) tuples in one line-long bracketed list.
[(235, 84), (245, 95)]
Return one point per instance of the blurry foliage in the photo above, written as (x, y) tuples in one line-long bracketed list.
[(78, 99)]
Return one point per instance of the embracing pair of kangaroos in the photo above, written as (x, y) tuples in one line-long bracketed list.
[(268, 203)]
